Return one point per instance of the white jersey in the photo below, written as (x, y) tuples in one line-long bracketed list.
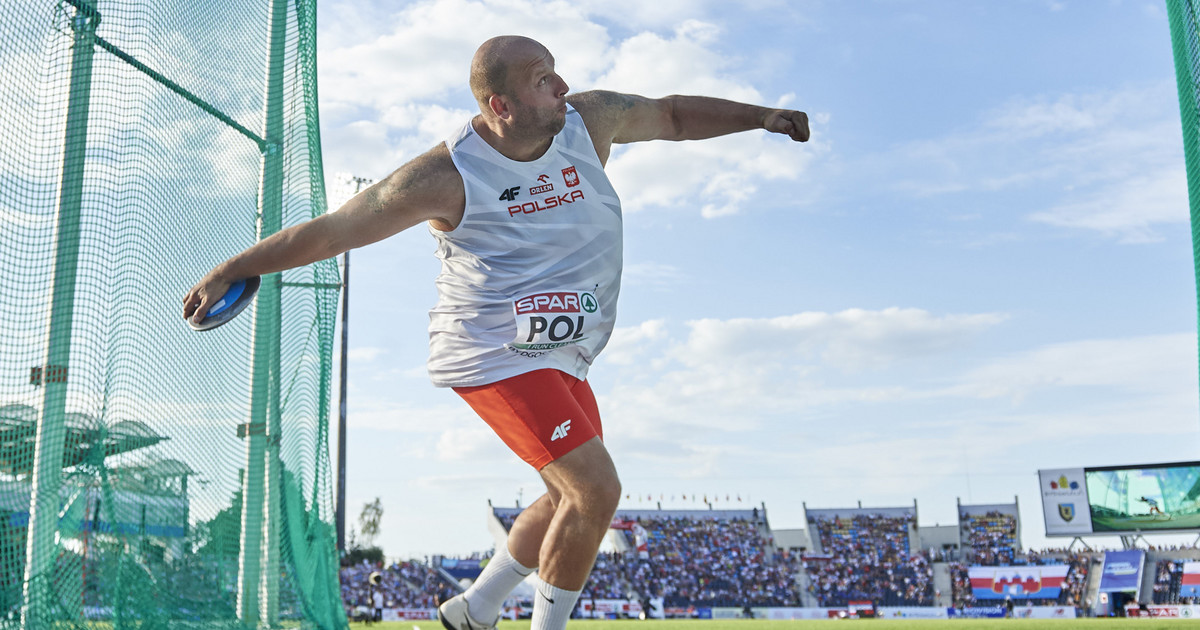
[(530, 276)]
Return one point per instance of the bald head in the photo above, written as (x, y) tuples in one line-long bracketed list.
[(492, 62)]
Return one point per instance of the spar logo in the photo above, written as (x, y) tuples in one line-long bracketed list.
[(550, 320)]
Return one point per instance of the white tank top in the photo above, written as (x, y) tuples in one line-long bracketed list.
[(530, 276)]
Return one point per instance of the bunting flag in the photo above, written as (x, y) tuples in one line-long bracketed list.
[(1190, 585), (1018, 582)]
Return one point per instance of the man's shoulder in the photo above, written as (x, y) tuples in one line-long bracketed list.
[(600, 103), (435, 161), (433, 169)]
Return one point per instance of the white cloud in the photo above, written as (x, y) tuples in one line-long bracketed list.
[(1109, 160), (1143, 365), (659, 275), (424, 51), (792, 366), (853, 339), (475, 444), (685, 63), (366, 354), (631, 343), (1127, 209), (396, 93)]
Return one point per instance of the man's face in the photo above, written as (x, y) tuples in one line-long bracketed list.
[(538, 102)]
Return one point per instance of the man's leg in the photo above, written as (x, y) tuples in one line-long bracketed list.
[(510, 565), (550, 420), (586, 490)]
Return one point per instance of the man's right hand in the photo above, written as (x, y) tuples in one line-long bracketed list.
[(202, 296)]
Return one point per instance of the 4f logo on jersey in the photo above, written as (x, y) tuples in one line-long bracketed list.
[(560, 431), (570, 176), (510, 194)]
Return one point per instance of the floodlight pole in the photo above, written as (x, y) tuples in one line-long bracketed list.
[(258, 559), (340, 508), (51, 428)]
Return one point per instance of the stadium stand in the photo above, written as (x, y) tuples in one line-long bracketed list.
[(1169, 578), (693, 558), (991, 538), (408, 584), (866, 556)]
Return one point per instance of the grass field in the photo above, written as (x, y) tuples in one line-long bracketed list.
[(864, 624)]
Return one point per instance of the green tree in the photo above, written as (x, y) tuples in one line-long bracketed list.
[(368, 521)]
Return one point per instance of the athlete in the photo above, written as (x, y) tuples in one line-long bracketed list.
[(528, 229), (1152, 504)]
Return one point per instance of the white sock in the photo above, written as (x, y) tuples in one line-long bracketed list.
[(487, 594), (552, 607)]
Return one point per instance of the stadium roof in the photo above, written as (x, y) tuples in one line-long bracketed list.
[(18, 424)]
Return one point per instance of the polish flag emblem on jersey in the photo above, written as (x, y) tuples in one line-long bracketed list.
[(570, 176)]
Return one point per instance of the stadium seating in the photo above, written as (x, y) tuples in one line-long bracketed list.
[(408, 584), (692, 560), (991, 537), (867, 557), (1168, 577)]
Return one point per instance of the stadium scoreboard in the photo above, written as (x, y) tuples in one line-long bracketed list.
[(1121, 499)]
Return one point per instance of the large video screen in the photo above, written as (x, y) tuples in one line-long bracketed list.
[(1141, 498)]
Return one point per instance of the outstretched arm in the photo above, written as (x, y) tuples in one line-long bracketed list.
[(613, 117), (428, 188)]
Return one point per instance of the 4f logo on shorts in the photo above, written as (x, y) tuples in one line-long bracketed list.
[(560, 431)]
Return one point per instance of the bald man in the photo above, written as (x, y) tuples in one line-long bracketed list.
[(528, 230)]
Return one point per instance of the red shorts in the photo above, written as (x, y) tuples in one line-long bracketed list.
[(541, 415)]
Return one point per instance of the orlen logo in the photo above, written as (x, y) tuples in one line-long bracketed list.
[(545, 203), (543, 187)]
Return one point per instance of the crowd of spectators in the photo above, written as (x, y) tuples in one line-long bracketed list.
[(991, 538), (1168, 578), (867, 558), (408, 584), (695, 561), (720, 561), (713, 562)]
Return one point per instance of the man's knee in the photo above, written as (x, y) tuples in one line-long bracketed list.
[(585, 477), (602, 493)]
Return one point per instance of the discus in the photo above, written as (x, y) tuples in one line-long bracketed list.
[(236, 299)]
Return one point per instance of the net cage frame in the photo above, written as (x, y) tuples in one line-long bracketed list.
[(151, 476)]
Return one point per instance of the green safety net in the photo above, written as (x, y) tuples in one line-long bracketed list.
[(1185, 41), (152, 476)]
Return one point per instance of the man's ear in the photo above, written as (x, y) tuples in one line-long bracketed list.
[(499, 106)]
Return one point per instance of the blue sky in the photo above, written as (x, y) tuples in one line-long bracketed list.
[(979, 266)]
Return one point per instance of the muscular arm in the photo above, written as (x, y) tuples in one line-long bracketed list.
[(428, 188), (613, 117)]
